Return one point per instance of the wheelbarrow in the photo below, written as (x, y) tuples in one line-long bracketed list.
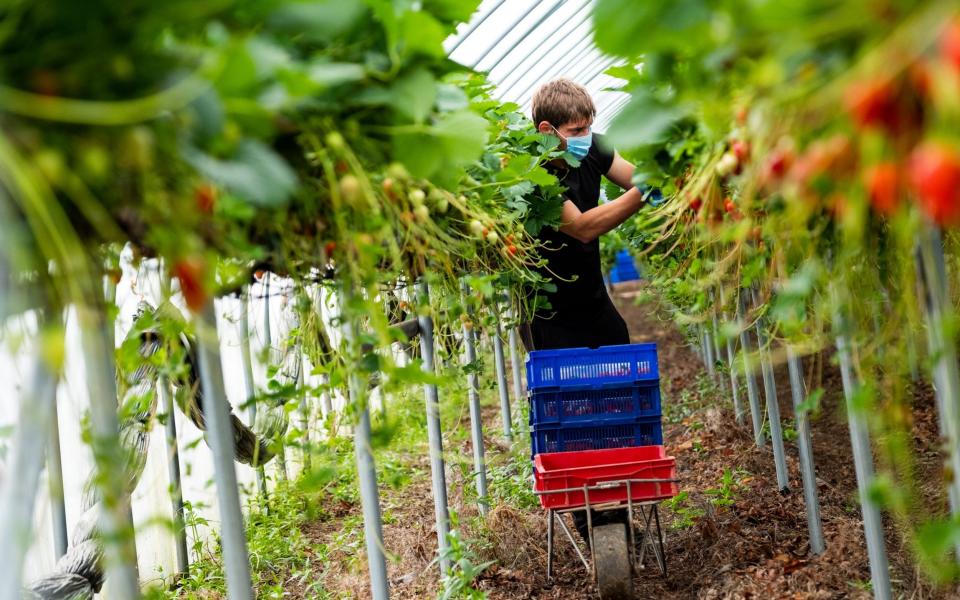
[(636, 479)]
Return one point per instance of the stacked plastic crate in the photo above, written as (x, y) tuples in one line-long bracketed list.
[(583, 399), (624, 269)]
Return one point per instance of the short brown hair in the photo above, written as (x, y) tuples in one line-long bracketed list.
[(562, 101)]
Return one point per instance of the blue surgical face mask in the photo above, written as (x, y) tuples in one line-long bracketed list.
[(578, 146)]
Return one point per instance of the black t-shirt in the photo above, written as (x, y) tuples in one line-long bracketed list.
[(572, 265)]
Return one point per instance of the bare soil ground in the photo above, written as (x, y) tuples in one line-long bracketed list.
[(756, 547)]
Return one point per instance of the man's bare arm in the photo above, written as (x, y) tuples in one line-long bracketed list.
[(588, 226)]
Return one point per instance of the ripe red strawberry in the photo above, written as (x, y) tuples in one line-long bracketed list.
[(729, 206), (873, 103), (741, 150), (190, 272), (696, 203), (329, 248), (934, 173), (950, 43), (883, 185), (205, 196)]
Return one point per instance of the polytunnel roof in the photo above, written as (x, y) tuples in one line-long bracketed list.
[(523, 43)]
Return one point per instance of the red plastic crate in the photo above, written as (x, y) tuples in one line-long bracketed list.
[(560, 470)]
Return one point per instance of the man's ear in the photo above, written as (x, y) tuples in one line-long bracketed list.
[(545, 128)]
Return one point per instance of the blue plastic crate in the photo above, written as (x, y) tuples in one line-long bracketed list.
[(621, 273), (605, 366), (624, 433), (595, 403)]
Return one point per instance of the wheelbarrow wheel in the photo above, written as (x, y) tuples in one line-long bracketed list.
[(611, 557)]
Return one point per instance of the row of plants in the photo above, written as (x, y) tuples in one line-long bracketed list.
[(331, 143), (810, 154)]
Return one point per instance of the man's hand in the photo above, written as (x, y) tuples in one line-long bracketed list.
[(588, 226)]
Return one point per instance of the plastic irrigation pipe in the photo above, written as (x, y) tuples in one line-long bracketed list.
[(773, 405), (737, 406), (367, 478), (808, 472), (944, 353), (476, 417), (246, 363), (753, 394), (173, 469), (18, 496), (220, 439), (434, 433), (268, 344), (863, 465), (58, 511), (501, 376)]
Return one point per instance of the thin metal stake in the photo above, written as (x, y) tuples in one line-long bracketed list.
[(115, 522), (516, 365), (734, 386), (268, 344), (863, 465), (304, 417), (367, 478), (501, 377), (246, 363), (18, 496), (753, 394), (805, 445), (773, 407), (216, 412), (476, 417), (434, 433), (173, 469), (944, 352), (55, 483)]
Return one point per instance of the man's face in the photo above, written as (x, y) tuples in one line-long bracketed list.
[(573, 129)]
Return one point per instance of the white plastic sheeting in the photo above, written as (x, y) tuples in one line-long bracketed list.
[(523, 43)]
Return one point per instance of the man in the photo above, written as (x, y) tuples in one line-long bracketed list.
[(581, 312)]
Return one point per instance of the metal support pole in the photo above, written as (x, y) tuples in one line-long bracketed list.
[(304, 417), (58, 510), (476, 417), (501, 376), (115, 524), (326, 404), (216, 412), (516, 365), (808, 472), (18, 496), (367, 477), (863, 465), (173, 469), (268, 344), (753, 394), (943, 352), (734, 386), (773, 407), (246, 363), (434, 433), (715, 337), (708, 352)]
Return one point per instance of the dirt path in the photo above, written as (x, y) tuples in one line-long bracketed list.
[(733, 539)]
